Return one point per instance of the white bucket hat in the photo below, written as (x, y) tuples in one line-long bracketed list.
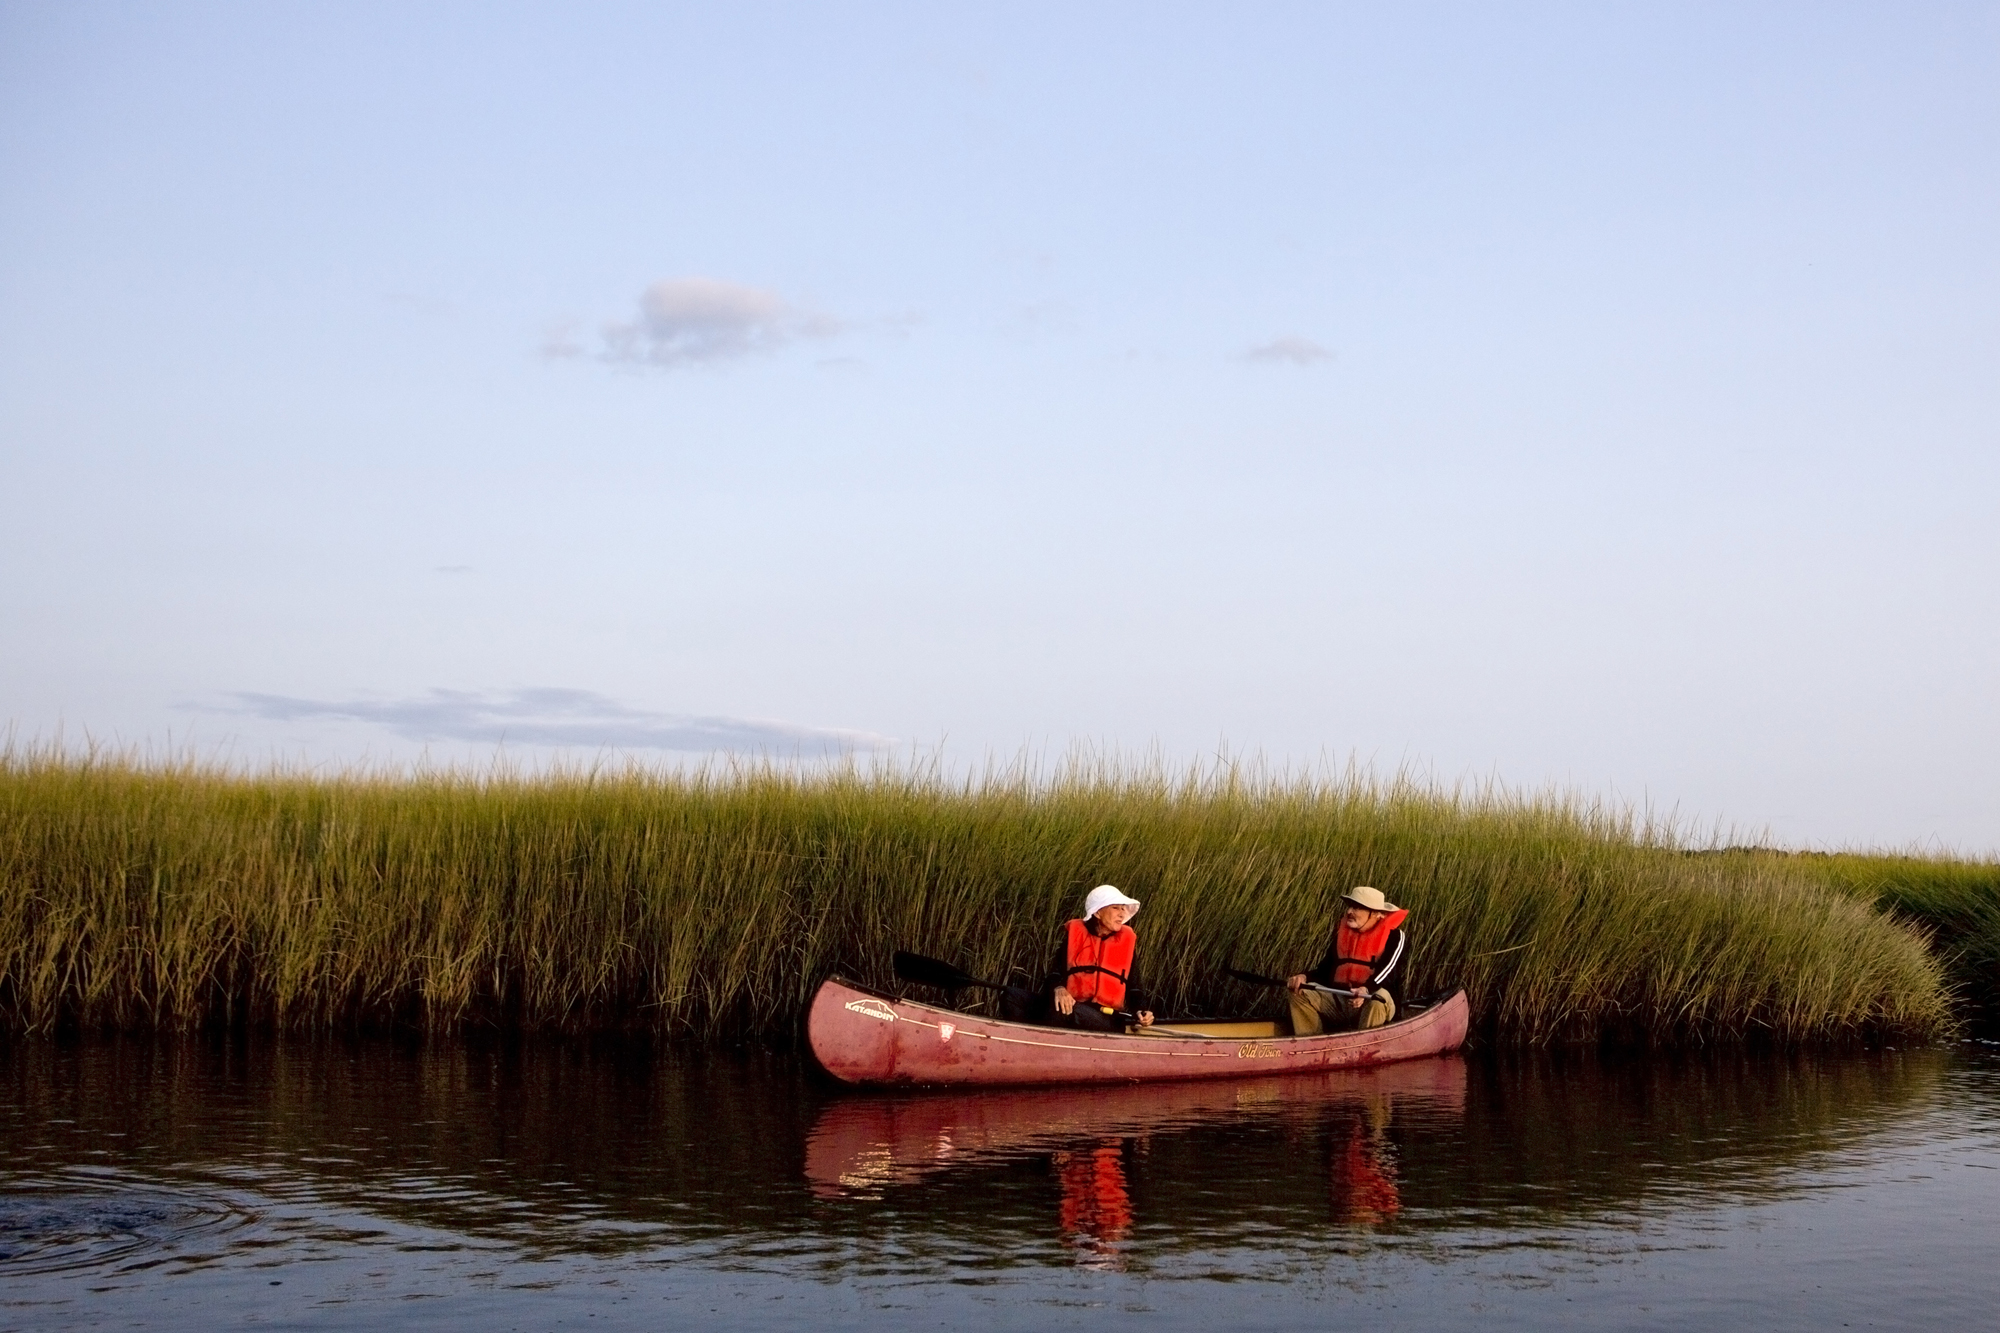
[(1371, 899), (1105, 895)]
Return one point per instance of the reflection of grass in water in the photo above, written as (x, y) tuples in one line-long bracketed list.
[(1716, 1128), (142, 897), (580, 1147), (1551, 1142)]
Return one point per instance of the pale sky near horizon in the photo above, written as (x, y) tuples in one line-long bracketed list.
[(1605, 397)]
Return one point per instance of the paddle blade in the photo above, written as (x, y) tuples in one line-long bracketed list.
[(931, 972)]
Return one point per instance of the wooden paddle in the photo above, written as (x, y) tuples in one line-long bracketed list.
[(936, 972)]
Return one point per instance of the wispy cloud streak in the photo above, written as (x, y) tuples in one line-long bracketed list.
[(685, 321), (563, 718), (1290, 350)]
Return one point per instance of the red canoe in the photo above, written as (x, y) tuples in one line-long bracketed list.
[(864, 1036)]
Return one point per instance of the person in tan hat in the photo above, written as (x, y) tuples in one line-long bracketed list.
[(1359, 984)]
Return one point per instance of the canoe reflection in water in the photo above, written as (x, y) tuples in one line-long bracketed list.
[(1094, 1137)]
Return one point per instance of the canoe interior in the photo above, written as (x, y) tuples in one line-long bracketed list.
[(1238, 1029)]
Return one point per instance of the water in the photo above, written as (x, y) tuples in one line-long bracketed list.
[(499, 1186)]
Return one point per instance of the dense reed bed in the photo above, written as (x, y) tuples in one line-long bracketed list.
[(1957, 901), (148, 897)]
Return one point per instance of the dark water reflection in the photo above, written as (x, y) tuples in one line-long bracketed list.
[(188, 1184)]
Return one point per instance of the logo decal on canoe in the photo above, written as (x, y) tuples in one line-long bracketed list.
[(945, 1030), (871, 1009), (1249, 1050)]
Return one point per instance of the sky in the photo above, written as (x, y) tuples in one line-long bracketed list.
[(1600, 398)]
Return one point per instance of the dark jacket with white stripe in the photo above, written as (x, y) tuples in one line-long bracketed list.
[(1386, 969)]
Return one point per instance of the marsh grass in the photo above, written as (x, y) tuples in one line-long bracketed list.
[(140, 896), (1956, 901)]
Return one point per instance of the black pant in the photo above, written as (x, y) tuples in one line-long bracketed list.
[(1088, 1017), (1018, 1004)]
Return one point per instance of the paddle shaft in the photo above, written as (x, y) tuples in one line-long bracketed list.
[(1258, 979)]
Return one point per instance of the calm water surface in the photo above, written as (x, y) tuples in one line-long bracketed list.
[(492, 1187)]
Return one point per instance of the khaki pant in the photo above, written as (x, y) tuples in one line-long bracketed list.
[(1314, 1012)]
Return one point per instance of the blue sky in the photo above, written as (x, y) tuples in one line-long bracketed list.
[(1574, 395)]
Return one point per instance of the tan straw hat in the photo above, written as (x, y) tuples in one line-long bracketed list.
[(1371, 899)]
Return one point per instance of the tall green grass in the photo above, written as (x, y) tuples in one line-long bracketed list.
[(142, 896), (1956, 901)]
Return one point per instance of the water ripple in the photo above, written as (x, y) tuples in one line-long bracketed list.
[(104, 1222)]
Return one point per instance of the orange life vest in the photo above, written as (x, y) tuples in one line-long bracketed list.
[(1356, 952), (1098, 965), (1096, 1207), (1364, 1184)]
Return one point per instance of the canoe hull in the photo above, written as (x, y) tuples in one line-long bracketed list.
[(865, 1037)]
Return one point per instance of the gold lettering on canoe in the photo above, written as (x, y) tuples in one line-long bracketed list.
[(1256, 1050), (871, 1009)]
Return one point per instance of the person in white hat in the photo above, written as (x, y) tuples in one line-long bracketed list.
[(1364, 966), (1096, 968)]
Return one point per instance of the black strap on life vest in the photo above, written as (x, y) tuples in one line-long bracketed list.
[(1389, 947)]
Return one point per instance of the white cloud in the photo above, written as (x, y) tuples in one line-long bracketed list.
[(684, 320), (1289, 350), (560, 343), (563, 717)]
